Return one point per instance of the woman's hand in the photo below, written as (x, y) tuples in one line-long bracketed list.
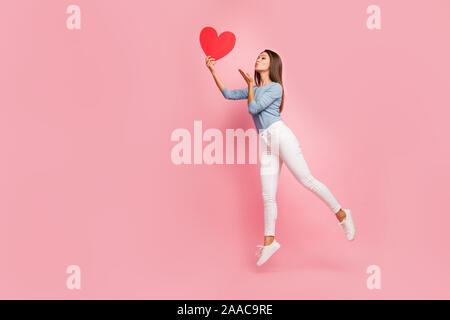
[(210, 62), (247, 78)]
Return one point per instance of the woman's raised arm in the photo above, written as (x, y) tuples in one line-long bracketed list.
[(237, 94), (210, 62)]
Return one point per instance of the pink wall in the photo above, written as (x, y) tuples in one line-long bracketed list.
[(86, 176)]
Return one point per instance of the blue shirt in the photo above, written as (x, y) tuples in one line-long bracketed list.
[(265, 108)]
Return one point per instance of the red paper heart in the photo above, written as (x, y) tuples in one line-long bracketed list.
[(216, 46)]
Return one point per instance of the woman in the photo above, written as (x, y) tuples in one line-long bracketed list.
[(280, 145)]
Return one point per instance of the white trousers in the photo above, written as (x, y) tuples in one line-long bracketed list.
[(279, 145)]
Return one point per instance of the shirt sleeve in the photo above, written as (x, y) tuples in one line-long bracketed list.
[(237, 94), (273, 93)]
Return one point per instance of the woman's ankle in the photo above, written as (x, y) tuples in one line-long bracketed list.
[(340, 215), (268, 240)]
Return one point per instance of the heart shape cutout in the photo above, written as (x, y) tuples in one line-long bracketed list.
[(216, 46)]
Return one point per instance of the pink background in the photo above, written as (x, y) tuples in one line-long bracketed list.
[(86, 175)]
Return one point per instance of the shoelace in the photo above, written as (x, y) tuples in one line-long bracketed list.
[(259, 250)]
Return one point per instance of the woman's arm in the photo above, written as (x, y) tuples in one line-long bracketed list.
[(210, 62), (250, 93), (219, 83), (249, 81), (236, 94), (273, 93)]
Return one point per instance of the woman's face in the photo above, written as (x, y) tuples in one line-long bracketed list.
[(262, 62)]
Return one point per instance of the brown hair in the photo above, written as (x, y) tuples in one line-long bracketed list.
[(275, 72)]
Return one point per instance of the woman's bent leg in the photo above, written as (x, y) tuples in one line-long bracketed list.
[(292, 155)]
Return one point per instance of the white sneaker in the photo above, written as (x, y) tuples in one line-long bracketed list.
[(265, 252), (347, 225)]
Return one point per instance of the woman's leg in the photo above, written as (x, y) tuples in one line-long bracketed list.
[(270, 168), (291, 153)]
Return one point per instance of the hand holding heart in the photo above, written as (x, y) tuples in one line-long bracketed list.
[(247, 77), (216, 47), (210, 62)]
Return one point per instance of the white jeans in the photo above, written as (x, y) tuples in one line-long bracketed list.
[(279, 145)]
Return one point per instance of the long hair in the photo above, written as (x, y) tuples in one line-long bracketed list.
[(275, 72)]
